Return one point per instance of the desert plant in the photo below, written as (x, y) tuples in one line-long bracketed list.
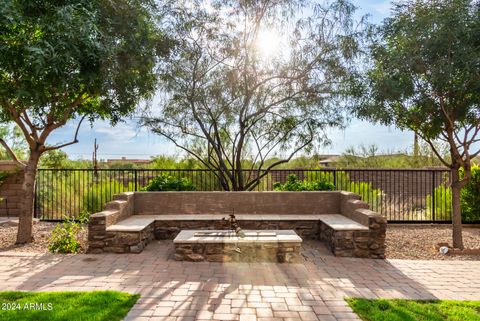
[(83, 217), (166, 182), (96, 196), (64, 238), (294, 184), (470, 198), (443, 203), (373, 196)]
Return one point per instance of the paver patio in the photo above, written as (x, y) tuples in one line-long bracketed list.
[(181, 291)]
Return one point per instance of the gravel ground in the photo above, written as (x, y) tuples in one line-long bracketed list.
[(41, 234), (403, 242), (418, 242)]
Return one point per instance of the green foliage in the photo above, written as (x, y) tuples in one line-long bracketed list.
[(83, 217), (469, 200), (443, 203), (411, 310), (373, 196), (64, 238), (370, 157), (173, 162), (54, 159), (72, 306), (3, 176), (13, 136), (341, 180), (166, 182), (294, 184), (470, 197), (80, 54), (425, 68), (97, 195)]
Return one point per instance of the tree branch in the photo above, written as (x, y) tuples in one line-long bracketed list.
[(74, 141), (11, 153), (432, 146)]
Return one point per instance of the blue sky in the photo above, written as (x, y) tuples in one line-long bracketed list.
[(127, 139)]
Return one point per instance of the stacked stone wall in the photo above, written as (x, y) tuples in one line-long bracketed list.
[(243, 252), (11, 189)]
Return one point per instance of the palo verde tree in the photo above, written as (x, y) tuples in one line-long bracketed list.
[(64, 60), (249, 80), (425, 77)]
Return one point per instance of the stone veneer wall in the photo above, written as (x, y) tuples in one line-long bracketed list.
[(369, 243), (281, 252), (278, 203), (11, 190), (101, 240)]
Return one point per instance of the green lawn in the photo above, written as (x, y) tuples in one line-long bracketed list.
[(411, 310), (72, 306)]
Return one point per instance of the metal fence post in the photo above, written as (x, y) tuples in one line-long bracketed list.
[(335, 179), (135, 178), (433, 195)]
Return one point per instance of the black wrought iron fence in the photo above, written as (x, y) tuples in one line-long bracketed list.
[(405, 195)]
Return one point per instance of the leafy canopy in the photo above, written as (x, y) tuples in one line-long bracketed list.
[(425, 72), (61, 59)]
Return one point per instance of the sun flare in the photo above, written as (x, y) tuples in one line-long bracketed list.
[(268, 43)]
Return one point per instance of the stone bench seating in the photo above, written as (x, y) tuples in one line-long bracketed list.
[(340, 219), (138, 223)]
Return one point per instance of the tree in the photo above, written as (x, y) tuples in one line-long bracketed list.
[(425, 77), (64, 60), (250, 80)]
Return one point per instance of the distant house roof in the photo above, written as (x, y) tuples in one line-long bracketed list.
[(128, 160), (328, 160)]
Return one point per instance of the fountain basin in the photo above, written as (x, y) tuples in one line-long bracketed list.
[(225, 246), (232, 233)]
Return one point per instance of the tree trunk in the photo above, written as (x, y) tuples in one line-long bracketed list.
[(25, 219), (456, 210)]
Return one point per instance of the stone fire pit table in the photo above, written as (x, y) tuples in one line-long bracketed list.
[(281, 246)]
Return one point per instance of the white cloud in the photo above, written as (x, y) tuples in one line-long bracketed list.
[(124, 132), (382, 8)]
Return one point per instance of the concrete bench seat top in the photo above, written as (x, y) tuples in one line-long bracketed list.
[(281, 236), (137, 223)]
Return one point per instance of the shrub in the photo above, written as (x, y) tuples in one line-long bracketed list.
[(373, 196), (443, 203), (64, 237), (294, 184), (470, 198), (166, 182), (83, 217), (96, 196), (3, 176)]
